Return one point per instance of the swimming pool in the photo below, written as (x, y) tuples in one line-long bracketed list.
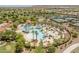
[(33, 32)]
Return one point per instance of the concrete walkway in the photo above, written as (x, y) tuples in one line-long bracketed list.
[(69, 49)]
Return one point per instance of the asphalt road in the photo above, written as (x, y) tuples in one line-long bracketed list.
[(69, 49)]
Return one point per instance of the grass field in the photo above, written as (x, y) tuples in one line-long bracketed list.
[(8, 48)]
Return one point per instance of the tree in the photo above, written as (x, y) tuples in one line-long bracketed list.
[(33, 33), (20, 40), (74, 35), (8, 35), (40, 48), (19, 49), (36, 34), (20, 43), (51, 49), (27, 45)]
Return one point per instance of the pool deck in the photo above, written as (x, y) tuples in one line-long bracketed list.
[(51, 33)]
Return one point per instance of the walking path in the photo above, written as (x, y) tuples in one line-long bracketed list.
[(69, 49)]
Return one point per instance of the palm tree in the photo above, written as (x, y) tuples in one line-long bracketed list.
[(33, 33), (36, 34)]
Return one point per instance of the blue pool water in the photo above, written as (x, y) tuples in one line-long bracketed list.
[(33, 30)]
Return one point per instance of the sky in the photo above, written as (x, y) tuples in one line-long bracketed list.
[(39, 2), (15, 5)]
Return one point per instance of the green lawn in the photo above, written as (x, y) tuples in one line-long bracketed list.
[(8, 48)]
